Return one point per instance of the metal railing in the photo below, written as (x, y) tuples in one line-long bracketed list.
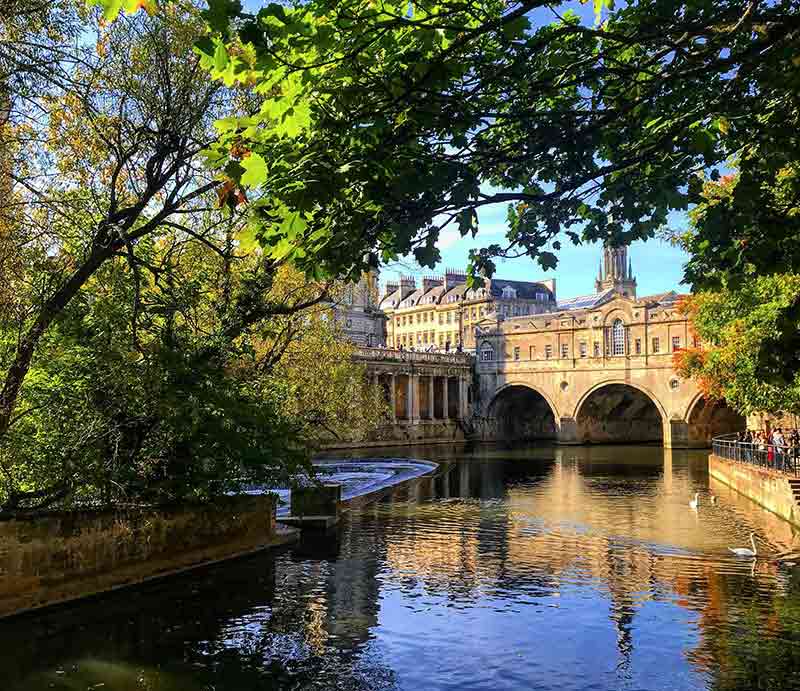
[(374, 354), (783, 458)]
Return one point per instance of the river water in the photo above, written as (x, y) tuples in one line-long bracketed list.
[(536, 568)]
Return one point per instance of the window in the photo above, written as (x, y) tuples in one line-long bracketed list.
[(516, 352), (656, 345), (676, 343), (398, 321), (404, 320), (509, 293), (474, 313), (618, 338), (583, 348), (480, 311), (449, 317), (425, 317), (441, 319), (597, 348), (419, 317), (424, 336), (637, 346), (548, 351), (487, 353), (564, 350), (532, 353)]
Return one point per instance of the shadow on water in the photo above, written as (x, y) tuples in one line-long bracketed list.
[(537, 567)]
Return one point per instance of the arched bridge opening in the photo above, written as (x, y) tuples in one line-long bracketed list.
[(710, 418), (522, 414), (617, 414)]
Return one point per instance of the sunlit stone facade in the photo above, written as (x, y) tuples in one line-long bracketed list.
[(442, 313), (596, 368)]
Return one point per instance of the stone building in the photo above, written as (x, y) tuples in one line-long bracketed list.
[(596, 368), (357, 312), (442, 313)]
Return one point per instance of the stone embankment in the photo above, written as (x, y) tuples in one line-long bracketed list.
[(768, 488), (52, 558)]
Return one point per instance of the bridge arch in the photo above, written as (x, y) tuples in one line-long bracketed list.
[(521, 412), (614, 411), (707, 418)]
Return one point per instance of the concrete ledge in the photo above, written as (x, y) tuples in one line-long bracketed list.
[(767, 488), (57, 557)]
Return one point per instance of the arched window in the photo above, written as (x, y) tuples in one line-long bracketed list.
[(618, 338)]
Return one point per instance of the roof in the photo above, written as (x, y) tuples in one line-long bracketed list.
[(661, 298), (587, 301), (525, 289)]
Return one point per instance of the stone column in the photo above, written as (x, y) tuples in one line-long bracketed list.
[(393, 397), (431, 397), (409, 398), (414, 397), (462, 399), (445, 401)]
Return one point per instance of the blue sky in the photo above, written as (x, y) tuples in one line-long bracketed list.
[(657, 265)]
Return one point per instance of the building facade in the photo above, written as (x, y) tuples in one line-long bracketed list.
[(357, 314), (596, 368), (443, 314)]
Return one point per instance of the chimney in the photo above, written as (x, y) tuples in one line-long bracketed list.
[(390, 287), (452, 278), (429, 282), (408, 283)]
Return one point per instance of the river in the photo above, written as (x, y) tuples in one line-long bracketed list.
[(532, 568)]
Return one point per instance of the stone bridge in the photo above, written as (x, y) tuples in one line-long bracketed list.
[(594, 376)]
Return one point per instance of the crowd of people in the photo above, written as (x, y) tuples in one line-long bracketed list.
[(778, 448)]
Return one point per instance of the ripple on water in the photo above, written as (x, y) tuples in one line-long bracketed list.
[(535, 568)]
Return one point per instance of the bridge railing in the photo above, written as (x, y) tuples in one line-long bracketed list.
[(393, 354), (784, 458)]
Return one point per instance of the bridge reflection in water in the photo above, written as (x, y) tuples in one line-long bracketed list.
[(551, 567)]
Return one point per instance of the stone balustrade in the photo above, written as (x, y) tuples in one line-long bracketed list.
[(394, 355)]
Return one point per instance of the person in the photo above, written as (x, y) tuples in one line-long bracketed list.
[(748, 445), (777, 444), (447, 346)]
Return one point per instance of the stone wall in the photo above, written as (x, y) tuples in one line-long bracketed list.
[(421, 432), (765, 487), (62, 556)]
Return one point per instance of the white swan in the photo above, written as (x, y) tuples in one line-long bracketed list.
[(694, 503), (743, 551)]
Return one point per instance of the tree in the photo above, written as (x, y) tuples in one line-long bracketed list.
[(750, 344), (134, 310), (387, 120)]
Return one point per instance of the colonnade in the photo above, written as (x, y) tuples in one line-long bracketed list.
[(417, 397)]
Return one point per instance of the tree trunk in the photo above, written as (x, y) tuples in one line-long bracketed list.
[(18, 370)]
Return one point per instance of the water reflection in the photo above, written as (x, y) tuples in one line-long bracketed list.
[(550, 568)]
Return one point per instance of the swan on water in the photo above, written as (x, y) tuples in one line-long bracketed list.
[(694, 503), (743, 551)]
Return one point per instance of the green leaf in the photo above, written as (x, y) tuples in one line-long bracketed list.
[(220, 57), (293, 225), (255, 171)]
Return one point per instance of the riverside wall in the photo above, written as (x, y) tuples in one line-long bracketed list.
[(767, 488), (56, 557)]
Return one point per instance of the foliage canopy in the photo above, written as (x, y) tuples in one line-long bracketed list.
[(380, 122)]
